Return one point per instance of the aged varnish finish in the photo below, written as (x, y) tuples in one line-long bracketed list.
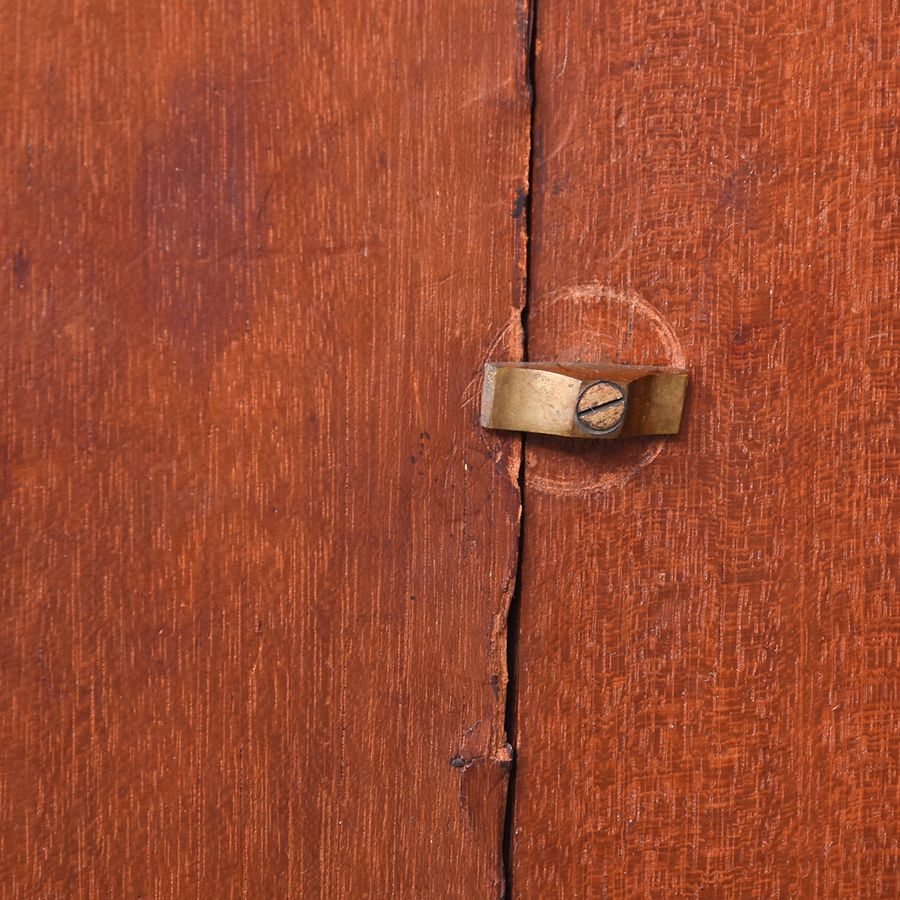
[(708, 641), (257, 552)]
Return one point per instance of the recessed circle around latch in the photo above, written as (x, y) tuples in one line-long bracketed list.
[(593, 321)]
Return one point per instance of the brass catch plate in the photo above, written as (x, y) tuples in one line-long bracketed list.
[(583, 400)]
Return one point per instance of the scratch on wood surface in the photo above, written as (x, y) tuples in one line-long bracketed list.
[(506, 345)]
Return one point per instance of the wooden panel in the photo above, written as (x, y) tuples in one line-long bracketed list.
[(707, 681), (257, 552)]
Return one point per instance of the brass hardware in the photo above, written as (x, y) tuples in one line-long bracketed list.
[(583, 400)]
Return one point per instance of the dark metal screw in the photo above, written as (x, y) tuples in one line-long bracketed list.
[(601, 407)]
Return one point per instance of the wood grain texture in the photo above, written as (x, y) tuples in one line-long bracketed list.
[(708, 696), (257, 553)]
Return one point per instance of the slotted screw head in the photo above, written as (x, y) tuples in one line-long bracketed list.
[(601, 407)]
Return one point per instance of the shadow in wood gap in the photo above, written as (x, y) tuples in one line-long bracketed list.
[(513, 615)]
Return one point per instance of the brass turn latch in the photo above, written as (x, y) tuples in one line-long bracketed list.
[(583, 400)]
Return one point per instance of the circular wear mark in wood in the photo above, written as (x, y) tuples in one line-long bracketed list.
[(595, 323)]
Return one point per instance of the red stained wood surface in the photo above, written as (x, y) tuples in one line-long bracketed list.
[(707, 680), (257, 553)]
